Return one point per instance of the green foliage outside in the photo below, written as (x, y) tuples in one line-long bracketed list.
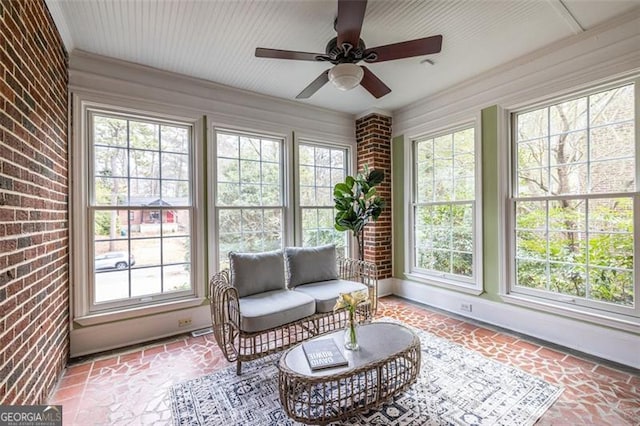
[(595, 265), (575, 239)]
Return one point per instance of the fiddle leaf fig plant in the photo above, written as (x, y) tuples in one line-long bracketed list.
[(357, 203)]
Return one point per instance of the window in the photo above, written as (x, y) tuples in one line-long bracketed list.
[(575, 201), (249, 193), (445, 237), (140, 174), (320, 169)]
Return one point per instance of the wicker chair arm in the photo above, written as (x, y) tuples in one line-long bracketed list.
[(225, 313), (363, 272)]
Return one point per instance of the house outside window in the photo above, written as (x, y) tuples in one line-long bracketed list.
[(320, 168), (575, 202), (249, 193), (139, 164), (445, 231)]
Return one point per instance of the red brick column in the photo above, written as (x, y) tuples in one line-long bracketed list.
[(373, 135), (34, 192)]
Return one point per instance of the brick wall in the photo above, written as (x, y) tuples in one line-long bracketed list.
[(373, 135), (34, 188)]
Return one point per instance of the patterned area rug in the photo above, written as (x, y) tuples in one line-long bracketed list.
[(456, 386)]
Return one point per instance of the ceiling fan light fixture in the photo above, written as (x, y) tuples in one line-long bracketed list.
[(346, 76)]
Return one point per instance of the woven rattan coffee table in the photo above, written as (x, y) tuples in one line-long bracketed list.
[(387, 363)]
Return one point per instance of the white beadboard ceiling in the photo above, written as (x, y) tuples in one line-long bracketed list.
[(215, 39)]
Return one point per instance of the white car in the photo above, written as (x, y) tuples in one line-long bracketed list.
[(113, 260)]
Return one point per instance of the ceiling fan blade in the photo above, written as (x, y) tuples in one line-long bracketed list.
[(349, 21), (373, 84), (262, 52), (406, 49), (314, 86)]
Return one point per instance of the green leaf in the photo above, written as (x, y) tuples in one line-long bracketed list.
[(375, 177), (349, 180), (370, 193), (342, 188)]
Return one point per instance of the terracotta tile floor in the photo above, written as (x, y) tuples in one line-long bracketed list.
[(131, 387)]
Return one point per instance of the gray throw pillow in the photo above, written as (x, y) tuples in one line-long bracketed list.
[(310, 264), (253, 273)]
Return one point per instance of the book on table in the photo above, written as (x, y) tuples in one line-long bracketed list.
[(323, 353)]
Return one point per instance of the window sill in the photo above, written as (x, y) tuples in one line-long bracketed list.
[(123, 314), (445, 283), (612, 320)]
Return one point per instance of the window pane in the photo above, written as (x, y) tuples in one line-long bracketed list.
[(531, 274), (445, 172), (249, 148), (320, 169), (533, 182), (531, 215), (568, 148), (569, 179), (144, 164), (175, 166), (153, 177), (612, 285), (531, 245), (614, 141), (110, 162), (110, 131), (271, 151), (111, 192), (613, 176), (612, 106), (174, 139), (532, 125), (533, 154), (583, 246), (568, 116), (228, 146), (567, 278)]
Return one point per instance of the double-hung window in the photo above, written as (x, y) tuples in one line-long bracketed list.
[(320, 168), (140, 210), (445, 226), (249, 193), (575, 203)]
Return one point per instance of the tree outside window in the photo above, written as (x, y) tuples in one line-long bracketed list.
[(574, 193)]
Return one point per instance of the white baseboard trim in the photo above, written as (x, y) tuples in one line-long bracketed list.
[(112, 335), (614, 345), (386, 287)]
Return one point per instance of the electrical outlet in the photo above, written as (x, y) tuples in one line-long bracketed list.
[(466, 307), (184, 322)]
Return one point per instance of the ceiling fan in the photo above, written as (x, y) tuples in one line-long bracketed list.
[(347, 49)]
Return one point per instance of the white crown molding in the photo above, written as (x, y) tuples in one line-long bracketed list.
[(376, 111), (91, 73), (606, 51)]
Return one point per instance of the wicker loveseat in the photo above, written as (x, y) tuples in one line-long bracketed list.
[(267, 302)]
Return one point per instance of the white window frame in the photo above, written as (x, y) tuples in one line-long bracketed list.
[(81, 232), (348, 161), (618, 317), (213, 182), (471, 285)]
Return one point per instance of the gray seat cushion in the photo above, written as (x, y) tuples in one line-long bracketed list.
[(274, 308), (310, 264), (253, 273), (326, 293)]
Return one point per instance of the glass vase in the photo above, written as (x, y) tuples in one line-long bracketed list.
[(351, 334)]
